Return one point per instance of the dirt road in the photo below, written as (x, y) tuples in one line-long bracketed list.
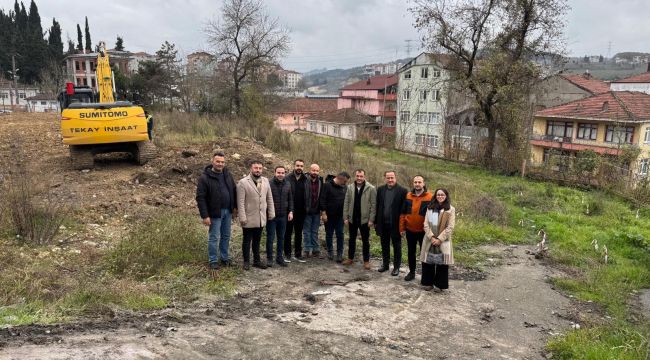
[(509, 315)]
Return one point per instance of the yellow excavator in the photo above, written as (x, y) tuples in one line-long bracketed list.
[(94, 123)]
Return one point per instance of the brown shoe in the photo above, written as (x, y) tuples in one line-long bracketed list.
[(366, 265), (348, 262)]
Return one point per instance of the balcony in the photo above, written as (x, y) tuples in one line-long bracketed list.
[(552, 138), (388, 113)]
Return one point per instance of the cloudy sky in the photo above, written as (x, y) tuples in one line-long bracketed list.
[(326, 33)]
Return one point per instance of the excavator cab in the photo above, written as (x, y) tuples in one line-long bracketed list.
[(75, 95)]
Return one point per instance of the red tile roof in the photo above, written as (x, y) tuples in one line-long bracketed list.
[(374, 83), (587, 82), (342, 116), (621, 106), (641, 78), (306, 105)]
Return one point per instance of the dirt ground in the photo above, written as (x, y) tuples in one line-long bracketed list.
[(316, 310)]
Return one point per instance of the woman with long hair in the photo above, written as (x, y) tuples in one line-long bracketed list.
[(437, 251)]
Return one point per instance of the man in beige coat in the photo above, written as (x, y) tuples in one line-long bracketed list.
[(255, 206)]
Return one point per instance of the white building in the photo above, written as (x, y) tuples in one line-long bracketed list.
[(422, 99), (137, 58), (639, 83), (42, 103), (289, 78), (348, 124), (20, 96)]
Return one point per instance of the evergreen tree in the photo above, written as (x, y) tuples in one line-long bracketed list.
[(34, 50), (119, 44), (6, 33), (54, 42), (89, 44), (80, 39)]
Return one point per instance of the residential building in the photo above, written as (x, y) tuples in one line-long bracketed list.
[(201, 62), (349, 124), (42, 103), (19, 96), (291, 114), (80, 67), (563, 88), (423, 102), (604, 123), (137, 58), (639, 82), (289, 78), (376, 97)]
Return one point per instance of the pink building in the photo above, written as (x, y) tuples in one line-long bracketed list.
[(376, 97), (290, 115), (80, 67)]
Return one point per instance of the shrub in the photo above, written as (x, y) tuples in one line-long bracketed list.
[(158, 245), (490, 209)]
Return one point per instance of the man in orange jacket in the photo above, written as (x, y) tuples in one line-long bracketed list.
[(411, 221)]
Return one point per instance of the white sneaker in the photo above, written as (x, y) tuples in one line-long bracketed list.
[(287, 261)]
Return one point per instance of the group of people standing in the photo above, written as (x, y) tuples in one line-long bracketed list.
[(293, 205)]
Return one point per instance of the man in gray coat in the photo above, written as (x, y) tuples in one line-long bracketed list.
[(359, 214), (254, 205)]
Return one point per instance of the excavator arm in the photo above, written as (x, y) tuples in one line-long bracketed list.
[(104, 76)]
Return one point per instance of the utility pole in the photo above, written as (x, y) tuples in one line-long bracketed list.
[(13, 75)]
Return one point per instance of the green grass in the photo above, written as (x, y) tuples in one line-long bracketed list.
[(160, 262), (572, 219)]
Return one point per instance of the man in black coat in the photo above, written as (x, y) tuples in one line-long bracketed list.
[(332, 201), (283, 203), (390, 199), (299, 185), (216, 199)]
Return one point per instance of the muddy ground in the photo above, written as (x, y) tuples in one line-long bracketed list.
[(507, 312)]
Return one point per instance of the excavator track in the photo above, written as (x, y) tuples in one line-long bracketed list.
[(81, 157), (146, 151)]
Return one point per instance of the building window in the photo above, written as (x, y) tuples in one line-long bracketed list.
[(350, 131), (461, 142), (619, 134), (323, 129), (405, 116), (644, 165), (85, 82), (587, 131), (436, 73), (559, 128), (432, 118), (423, 95), (424, 72), (407, 74), (419, 139), (76, 65), (406, 94), (435, 95), (335, 129), (432, 141), (83, 66), (646, 139), (93, 82), (296, 119), (43, 103), (312, 127), (389, 123), (21, 95)]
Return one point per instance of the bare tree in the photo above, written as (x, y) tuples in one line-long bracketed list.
[(491, 43), (245, 39)]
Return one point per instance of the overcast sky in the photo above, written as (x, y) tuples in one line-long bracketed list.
[(326, 33)]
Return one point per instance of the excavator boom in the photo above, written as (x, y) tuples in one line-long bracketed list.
[(104, 76)]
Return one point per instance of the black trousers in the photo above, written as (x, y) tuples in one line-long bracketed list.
[(294, 226), (412, 241), (254, 236), (435, 275), (390, 234), (365, 240)]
